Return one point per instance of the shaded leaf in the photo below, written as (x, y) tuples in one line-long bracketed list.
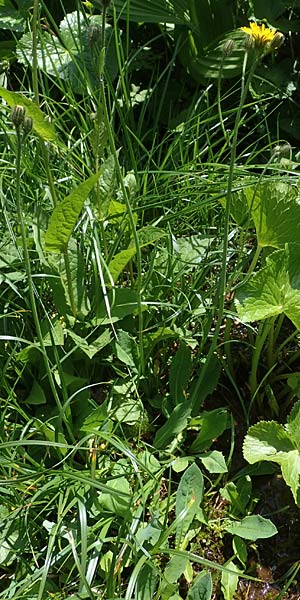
[(180, 372), (175, 424)]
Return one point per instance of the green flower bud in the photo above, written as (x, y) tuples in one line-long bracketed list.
[(228, 47), (27, 124), (18, 115), (94, 33)]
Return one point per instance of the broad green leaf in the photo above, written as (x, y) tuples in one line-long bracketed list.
[(119, 262), (186, 253), (290, 468), (209, 383), (13, 16), (229, 581), (53, 332), (95, 419), (275, 210), (146, 583), (180, 464), (91, 348), (154, 11), (66, 215), (267, 440), (36, 395), (273, 290), (240, 549), (188, 498), (180, 373), (126, 349), (175, 567), (201, 589), (105, 185), (146, 236), (270, 441), (213, 423), (127, 410), (120, 505), (122, 302), (175, 424), (293, 424), (40, 125), (73, 55), (238, 494), (254, 527), (214, 462), (210, 61)]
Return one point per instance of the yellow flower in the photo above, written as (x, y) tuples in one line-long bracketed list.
[(260, 34)]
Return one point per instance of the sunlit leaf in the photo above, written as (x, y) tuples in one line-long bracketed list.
[(254, 527), (274, 290), (41, 126), (66, 215)]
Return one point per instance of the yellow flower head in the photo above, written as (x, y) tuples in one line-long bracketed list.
[(260, 35)]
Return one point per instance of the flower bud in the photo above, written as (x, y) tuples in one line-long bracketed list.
[(277, 40), (18, 115), (228, 47), (94, 33), (27, 124)]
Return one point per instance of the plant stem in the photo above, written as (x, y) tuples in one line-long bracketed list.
[(126, 197), (263, 332), (222, 285), (61, 416)]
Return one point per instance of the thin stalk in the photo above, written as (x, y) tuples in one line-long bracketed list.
[(31, 286), (263, 332), (222, 286), (69, 283), (103, 103)]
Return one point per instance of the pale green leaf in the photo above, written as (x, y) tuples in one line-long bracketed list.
[(175, 567), (273, 290), (267, 440), (229, 580), (293, 424), (275, 210), (254, 527), (146, 235), (146, 583), (201, 589), (118, 504), (214, 462), (188, 498)]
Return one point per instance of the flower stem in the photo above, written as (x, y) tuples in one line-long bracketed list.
[(222, 283)]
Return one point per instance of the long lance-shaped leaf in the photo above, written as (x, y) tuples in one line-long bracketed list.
[(40, 125), (66, 215)]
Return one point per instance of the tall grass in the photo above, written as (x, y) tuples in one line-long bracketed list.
[(89, 469)]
